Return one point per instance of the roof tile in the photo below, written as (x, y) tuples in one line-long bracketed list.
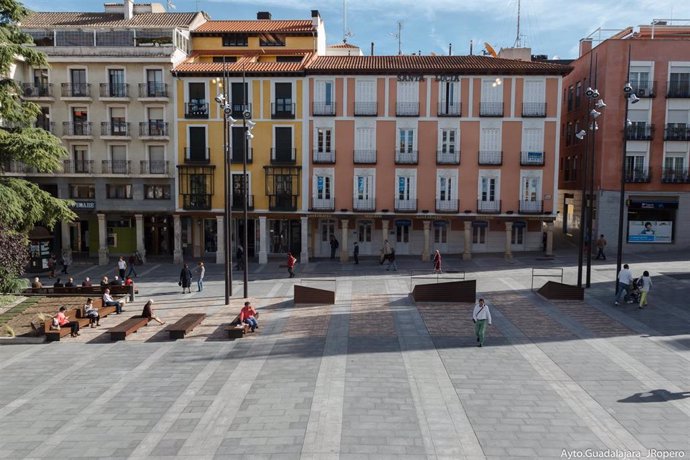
[(42, 20), (256, 26)]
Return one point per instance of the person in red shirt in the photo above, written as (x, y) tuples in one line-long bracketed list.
[(63, 321), (129, 282), (291, 264), (248, 316)]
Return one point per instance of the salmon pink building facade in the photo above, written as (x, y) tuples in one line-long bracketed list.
[(456, 153)]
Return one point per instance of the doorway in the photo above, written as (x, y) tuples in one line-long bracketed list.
[(157, 234), (326, 229)]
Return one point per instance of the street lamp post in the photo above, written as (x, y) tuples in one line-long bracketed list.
[(246, 114)]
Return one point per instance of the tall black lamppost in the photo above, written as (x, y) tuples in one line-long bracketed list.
[(248, 125)]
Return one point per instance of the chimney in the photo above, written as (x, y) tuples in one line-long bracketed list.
[(263, 15), (315, 18), (585, 46), (129, 9), (372, 48)]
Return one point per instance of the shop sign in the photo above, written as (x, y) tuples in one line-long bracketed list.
[(440, 223), (88, 205), (410, 78), (403, 222), (480, 223), (654, 204), (650, 231), (447, 77)]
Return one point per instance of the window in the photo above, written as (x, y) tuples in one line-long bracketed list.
[(323, 92), (118, 191), (407, 98), (571, 94), (118, 124), (155, 86), (197, 150), (530, 188), (80, 156), (406, 185), (491, 102), (517, 234), (271, 39), (43, 119), (323, 140), (235, 40), (440, 234), (364, 186), (283, 99), (449, 100), (365, 97), (446, 188), (83, 191), (364, 232), (289, 58), (323, 187), (578, 94), (402, 233), (448, 143), (78, 81), (479, 233), (156, 192), (406, 140), (488, 188), (226, 59), (118, 159), (116, 83), (640, 81), (679, 81)]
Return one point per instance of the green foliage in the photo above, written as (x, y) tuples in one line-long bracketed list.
[(23, 203), (14, 256)]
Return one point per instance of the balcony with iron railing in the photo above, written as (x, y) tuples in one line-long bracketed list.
[(490, 157), (153, 128), (31, 90), (676, 176), (530, 158), (282, 110), (491, 109), (76, 90), (196, 110), (366, 109), (161, 167), (238, 111), (19, 167), (644, 88), (679, 89), (447, 158), (323, 109), (320, 157), (77, 128), (323, 204), (196, 201), (405, 205), (531, 207), (197, 155), (78, 167), (365, 156), (282, 202), (447, 206), (116, 167), (638, 176), (114, 90), (363, 204), (283, 155), (639, 132), (489, 207), (237, 157), (446, 109), (533, 109), (407, 109), (46, 125), (238, 202), (154, 90), (115, 129), (676, 132), (409, 157)]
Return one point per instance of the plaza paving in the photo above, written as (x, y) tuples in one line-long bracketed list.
[(374, 376)]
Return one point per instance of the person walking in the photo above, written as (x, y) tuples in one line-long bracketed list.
[(355, 253), (66, 260), (186, 279), (51, 266), (601, 244), (391, 261), (201, 270), (132, 263), (291, 261), (625, 279), (645, 286), (122, 267), (437, 262), (334, 246), (387, 249), (239, 256), (481, 315)]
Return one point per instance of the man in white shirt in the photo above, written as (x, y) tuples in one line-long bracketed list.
[(109, 301), (480, 316), (625, 279)]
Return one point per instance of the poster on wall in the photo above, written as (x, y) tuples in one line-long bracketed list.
[(650, 231)]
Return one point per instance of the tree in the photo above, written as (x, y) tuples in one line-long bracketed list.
[(13, 258), (24, 204)]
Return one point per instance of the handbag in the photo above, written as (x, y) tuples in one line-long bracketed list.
[(54, 325)]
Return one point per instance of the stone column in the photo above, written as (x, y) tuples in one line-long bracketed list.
[(141, 248), (344, 253), (220, 245), (102, 240), (263, 237), (384, 231), (177, 239), (66, 241), (509, 234), (304, 230), (425, 253), (198, 238), (549, 238), (467, 253)]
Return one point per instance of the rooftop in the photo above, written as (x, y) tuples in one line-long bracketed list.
[(52, 20), (256, 26)]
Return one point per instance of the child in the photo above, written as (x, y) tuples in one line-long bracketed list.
[(646, 284)]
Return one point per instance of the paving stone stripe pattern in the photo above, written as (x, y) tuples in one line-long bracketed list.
[(374, 376)]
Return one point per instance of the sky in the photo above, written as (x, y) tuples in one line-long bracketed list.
[(551, 27)]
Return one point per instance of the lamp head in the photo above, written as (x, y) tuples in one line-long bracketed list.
[(497, 82), (220, 98), (633, 98), (589, 92), (247, 114), (594, 114), (250, 124), (230, 119), (581, 135), (595, 94), (250, 135), (628, 122), (600, 104), (627, 89), (594, 126)]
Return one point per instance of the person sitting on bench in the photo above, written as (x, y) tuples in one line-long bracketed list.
[(58, 283), (116, 281), (148, 312), (86, 282), (110, 302), (247, 316), (37, 283), (104, 282), (64, 322), (92, 313), (70, 282)]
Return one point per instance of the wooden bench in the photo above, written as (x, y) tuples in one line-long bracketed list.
[(127, 327), (90, 291), (236, 330), (54, 335), (185, 325)]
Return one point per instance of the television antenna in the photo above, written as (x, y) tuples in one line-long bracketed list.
[(398, 36), (518, 36), (347, 33)]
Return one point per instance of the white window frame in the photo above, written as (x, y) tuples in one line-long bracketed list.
[(489, 174)]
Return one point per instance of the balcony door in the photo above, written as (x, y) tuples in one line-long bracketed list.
[(197, 144), (238, 95), (326, 229), (155, 87), (80, 156), (238, 144), (364, 231), (283, 101), (283, 190), (283, 145), (78, 81), (238, 191), (116, 80)]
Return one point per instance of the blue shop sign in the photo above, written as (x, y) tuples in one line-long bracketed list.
[(403, 222)]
